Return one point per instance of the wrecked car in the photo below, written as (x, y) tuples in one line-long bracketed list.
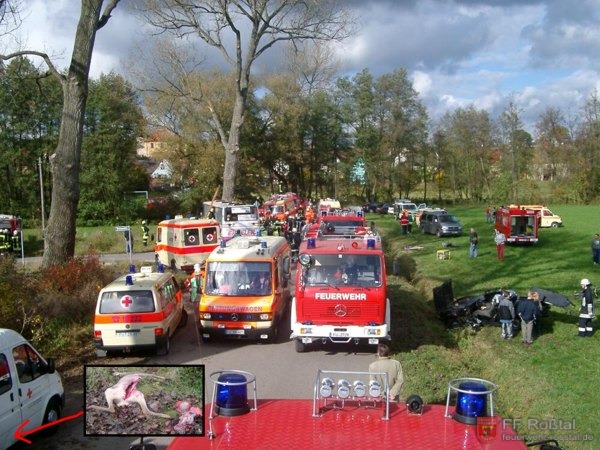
[(482, 309)]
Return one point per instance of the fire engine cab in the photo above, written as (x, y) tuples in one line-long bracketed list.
[(340, 292), (519, 225)]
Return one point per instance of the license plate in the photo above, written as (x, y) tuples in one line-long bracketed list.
[(337, 334), (127, 333), (236, 332)]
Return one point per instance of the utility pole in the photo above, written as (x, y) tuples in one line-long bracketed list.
[(42, 196)]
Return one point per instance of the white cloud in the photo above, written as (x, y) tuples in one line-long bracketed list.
[(540, 53)]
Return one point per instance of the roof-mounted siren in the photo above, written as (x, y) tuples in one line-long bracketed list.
[(371, 243), (129, 280)]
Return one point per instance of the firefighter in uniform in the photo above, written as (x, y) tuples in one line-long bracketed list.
[(586, 312), (145, 233), (16, 242), (4, 240)]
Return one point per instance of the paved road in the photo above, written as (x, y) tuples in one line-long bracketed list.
[(280, 373), (137, 258)]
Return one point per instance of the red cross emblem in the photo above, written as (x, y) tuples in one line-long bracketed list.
[(29, 393), (126, 300)]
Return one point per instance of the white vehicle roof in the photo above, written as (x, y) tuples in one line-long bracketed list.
[(9, 338)]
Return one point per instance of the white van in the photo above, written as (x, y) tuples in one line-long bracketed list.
[(138, 310), (30, 388), (546, 218)]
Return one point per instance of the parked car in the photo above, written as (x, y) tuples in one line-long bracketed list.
[(440, 223), (382, 208), (405, 205)]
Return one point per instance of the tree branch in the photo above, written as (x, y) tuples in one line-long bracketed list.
[(112, 4), (42, 55)]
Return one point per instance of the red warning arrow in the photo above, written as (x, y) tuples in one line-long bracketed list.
[(21, 435)]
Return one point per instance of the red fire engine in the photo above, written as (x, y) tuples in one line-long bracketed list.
[(10, 223), (340, 292), (351, 410), (519, 225), (339, 222)]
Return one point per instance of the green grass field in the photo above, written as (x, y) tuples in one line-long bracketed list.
[(548, 388)]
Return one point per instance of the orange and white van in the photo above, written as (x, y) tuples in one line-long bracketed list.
[(246, 288), (138, 310)]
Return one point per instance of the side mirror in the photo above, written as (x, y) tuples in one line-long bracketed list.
[(51, 366)]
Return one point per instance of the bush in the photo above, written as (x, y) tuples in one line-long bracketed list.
[(70, 290), (17, 306)]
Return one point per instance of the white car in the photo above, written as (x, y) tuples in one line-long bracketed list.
[(30, 388)]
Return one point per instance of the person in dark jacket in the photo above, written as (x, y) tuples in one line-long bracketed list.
[(586, 312), (506, 313), (596, 249), (528, 311)]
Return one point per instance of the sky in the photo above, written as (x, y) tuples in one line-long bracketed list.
[(539, 54)]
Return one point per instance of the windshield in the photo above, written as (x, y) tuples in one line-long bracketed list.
[(352, 270), (241, 279), (349, 223), (119, 302), (448, 218), (241, 213)]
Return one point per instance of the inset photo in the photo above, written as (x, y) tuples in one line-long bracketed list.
[(144, 400)]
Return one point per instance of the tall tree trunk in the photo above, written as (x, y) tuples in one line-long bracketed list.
[(59, 238)]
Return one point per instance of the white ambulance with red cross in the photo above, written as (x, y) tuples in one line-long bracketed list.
[(138, 310)]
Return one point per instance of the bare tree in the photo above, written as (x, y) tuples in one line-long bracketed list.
[(59, 242), (255, 26), (10, 17)]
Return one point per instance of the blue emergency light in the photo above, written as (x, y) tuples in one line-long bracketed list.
[(161, 268), (471, 402), (371, 244), (311, 243), (223, 243), (131, 268), (128, 280), (232, 395)]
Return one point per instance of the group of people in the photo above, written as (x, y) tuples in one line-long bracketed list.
[(530, 310), (499, 240), (10, 242)]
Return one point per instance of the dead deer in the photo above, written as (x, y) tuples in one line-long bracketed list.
[(125, 393)]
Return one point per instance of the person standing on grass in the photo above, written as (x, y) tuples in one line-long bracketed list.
[(596, 249), (473, 241), (500, 240), (586, 312), (506, 313), (527, 310)]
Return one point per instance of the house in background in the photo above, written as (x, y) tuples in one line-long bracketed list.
[(155, 143), (162, 171)]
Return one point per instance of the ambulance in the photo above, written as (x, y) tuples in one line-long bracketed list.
[(138, 310), (546, 218), (182, 243), (246, 289), (30, 388)]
